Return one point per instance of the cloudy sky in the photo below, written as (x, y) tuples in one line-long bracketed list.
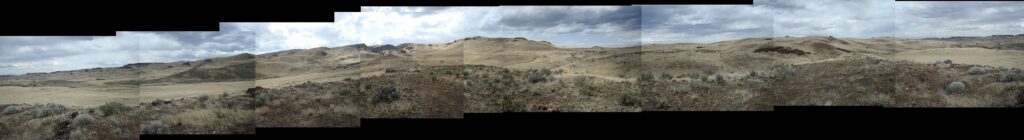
[(574, 26), (943, 19), (188, 46), (704, 23), (564, 26), (272, 37), (21, 55), (841, 18), (25, 54)]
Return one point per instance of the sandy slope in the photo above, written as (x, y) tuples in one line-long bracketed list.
[(167, 91), (982, 56), (79, 96)]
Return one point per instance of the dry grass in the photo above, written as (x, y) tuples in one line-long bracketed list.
[(214, 115), (85, 125)]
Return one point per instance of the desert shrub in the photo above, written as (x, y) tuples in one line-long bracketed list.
[(666, 76), (537, 77), (111, 108), (82, 120), (159, 102), (253, 91), (154, 127), (390, 70), (582, 86), (646, 76), (678, 89), (77, 134), (385, 95), (976, 70), (261, 99), (50, 109), (13, 109), (507, 105), (956, 88), (345, 91), (720, 79), (227, 103), (225, 95), (629, 99), (203, 98), (699, 88), (1013, 76)]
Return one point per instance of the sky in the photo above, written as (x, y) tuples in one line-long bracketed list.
[(154, 47), (943, 19), (564, 26), (26, 54), (664, 24), (840, 18)]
